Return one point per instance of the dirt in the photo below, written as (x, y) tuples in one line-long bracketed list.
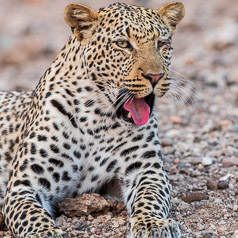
[(198, 123)]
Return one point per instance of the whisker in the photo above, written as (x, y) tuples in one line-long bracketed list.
[(175, 90), (179, 99), (181, 75), (176, 99)]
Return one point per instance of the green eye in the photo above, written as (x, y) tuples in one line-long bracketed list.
[(124, 44)]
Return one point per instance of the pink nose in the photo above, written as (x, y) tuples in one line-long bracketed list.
[(154, 78)]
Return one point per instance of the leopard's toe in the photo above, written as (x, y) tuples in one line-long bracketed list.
[(155, 228), (56, 233)]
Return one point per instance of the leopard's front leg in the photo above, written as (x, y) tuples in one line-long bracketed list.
[(25, 216), (147, 196)]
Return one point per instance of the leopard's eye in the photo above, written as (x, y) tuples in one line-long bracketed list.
[(124, 44), (163, 43)]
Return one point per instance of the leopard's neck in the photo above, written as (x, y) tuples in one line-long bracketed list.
[(68, 81)]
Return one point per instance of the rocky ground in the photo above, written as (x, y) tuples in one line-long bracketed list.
[(198, 122)]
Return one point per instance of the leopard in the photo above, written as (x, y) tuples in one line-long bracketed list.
[(90, 120)]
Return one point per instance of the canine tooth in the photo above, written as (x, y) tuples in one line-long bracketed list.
[(129, 115)]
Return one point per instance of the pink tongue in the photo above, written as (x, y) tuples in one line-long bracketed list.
[(139, 109)]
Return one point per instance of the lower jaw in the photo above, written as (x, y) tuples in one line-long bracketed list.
[(126, 116)]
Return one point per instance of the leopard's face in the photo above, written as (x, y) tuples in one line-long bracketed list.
[(128, 51)]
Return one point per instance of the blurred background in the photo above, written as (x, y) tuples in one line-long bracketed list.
[(33, 31), (198, 124)]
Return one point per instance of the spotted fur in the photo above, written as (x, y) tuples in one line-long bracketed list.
[(73, 133)]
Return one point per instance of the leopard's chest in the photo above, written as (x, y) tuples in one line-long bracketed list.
[(89, 153)]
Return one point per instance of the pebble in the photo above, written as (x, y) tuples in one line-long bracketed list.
[(180, 146), (235, 234), (93, 229), (168, 150), (195, 173), (222, 229), (207, 161), (166, 141), (120, 207), (80, 225), (200, 167), (194, 160), (207, 234), (176, 161), (223, 184), (167, 159), (235, 127), (183, 206), (226, 177), (61, 221), (211, 184), (119, 220), (230, 161), (235, 209), (200, 227), (172, 133), (176, 200), (225, 123), (217, 200), (115, 225), (192, 197), (90, 217), (176, 119)]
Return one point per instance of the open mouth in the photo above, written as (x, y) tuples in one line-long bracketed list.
[(136, 110)]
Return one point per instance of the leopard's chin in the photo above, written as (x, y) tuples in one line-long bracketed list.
[(127, 116)]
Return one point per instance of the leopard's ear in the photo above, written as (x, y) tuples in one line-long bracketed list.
[(172, 14), (81, 19)]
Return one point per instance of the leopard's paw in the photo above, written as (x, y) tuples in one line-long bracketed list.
[(54, 233), (154, 228)]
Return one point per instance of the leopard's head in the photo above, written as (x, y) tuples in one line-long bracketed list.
[(127, 50)]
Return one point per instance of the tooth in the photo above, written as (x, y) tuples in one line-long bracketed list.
[(129, 115)]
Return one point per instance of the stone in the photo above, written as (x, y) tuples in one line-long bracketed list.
[(183, 206), (194, 160), (207, 234), (166, 141), (226, 177), (222, 230), (167, 159), (120, 207), (200, 226), (223, 184), (168, 150), (211, 184), (176, 161), (235, 235), (61, 221), (192, 197), (80, 225), (235, 127), (230, 161), (90, 218), (86, 204), (176, 119), (207, 161), (172, 133)]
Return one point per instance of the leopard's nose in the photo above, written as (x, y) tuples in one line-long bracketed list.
[(154, 78)]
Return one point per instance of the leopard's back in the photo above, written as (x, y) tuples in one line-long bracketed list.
[(13, 106)]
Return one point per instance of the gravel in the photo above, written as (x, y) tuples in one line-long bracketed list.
[(198, 132)]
